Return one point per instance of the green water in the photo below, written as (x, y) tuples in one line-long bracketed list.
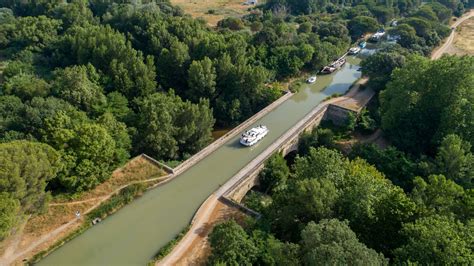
[(135, 233)]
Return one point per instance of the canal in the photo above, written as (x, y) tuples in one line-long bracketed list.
[(134, 234)]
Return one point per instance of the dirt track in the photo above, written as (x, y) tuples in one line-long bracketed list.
[(449, 41)]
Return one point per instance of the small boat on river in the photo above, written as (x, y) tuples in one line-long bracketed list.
[(311, 79), (334, 66), (254, 135)]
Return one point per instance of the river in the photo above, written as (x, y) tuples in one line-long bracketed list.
[(134, 234)]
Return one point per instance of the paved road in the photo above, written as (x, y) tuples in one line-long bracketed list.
[(440, 51)]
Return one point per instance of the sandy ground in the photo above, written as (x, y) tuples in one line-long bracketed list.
[(221, 9), (446, 46), (41, 231), (463, 43), (200, 249)]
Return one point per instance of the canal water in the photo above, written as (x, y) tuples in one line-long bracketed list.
[(134, 234)]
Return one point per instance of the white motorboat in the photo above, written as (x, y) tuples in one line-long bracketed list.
[(254, 135), (311, 79), (354, 50)]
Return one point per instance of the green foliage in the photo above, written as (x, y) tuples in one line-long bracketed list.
[(201, 80), (326, 185), (360, 25), (232, 23), (171, 128), (437, 195), (274, 174), (396, 165), (34, 32), (122, 198), (26, 86), (455, 160), (256, 201), (78, 86), (231, 245), (332, 242), (108, 51), (25, 169), (365, 123), (427, 100), (379, 66), (166, 249), (436, 239), (9, 209)]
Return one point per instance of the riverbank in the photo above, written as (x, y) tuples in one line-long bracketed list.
[(159, 215), (437, 53), (203, 218), (60, 221), (44, 231)]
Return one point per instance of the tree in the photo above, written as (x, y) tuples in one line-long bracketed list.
[(10, 118), (274, 174), (436, 239), (407, 33), (201, 80), (455, 160), (9, 210), (25, 169), (231, 245), (427, 100), (333, 242), (79, 86), (107, 50), (437, 195), (379, 67), (396, 165), (35, 32), (26, 86), (89, 153), (360, 25), (119, 132), (169, 128), (117, 104), (231, 23)]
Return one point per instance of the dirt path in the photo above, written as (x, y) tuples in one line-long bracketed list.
[(13, 245), (441, 50), (9, 257), (76, 202)]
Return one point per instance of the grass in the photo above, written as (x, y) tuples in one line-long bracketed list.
[(123, 197), (334, 95), (296, 85), (166, 249), (64, 206), (464, 40), (213, 10)]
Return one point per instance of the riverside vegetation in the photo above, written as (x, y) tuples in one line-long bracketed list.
[(86, 84), (411, 203)]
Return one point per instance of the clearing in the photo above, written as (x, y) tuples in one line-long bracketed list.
[(464, 40), (42, 231), (213, 10)]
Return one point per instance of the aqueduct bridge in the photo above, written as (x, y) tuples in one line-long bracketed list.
[(135, 233)]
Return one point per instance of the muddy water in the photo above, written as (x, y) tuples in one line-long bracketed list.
[(134, 234)]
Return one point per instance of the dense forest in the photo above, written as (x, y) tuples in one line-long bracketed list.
[(86, 84), (412, 202), (409, 203)]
